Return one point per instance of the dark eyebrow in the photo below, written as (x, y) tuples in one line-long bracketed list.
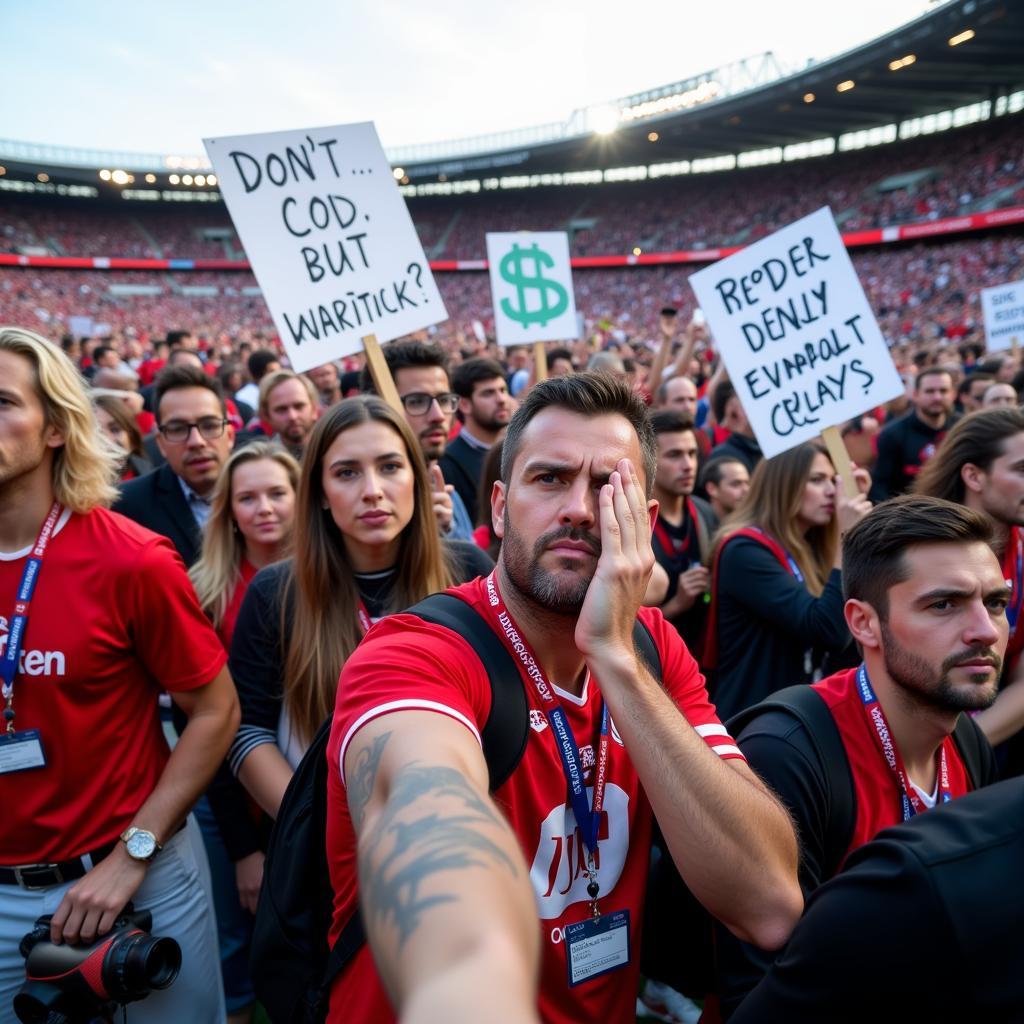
[(356, 462), (560, 469), (948, 593)]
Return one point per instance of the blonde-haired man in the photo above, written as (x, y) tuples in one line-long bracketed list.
[(97, 617)]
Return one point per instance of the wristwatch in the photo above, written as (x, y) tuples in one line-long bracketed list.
[(141, 845)]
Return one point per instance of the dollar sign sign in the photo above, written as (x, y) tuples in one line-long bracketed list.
[(512, 270)]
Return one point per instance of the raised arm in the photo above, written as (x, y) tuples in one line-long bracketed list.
[(444, 889)]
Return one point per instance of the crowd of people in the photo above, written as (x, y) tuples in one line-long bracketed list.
[(729, 675)]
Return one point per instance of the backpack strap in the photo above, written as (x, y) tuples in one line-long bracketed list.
[(507, 728), (710, 653), (806, 705), (971, 743)]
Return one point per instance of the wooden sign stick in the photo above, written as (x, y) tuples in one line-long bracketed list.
[(540, 362), (379, 372), (840, 459)]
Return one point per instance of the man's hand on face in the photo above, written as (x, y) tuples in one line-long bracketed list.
[(605, 624)]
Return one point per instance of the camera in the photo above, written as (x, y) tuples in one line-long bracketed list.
[(77, 984)]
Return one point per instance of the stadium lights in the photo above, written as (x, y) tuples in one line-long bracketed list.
[(3, 171), (845, 86), (104, 175), (809, 97), (605, 120), (964, 37), (174, 179), (903, 62), (399, 173), (652, 136), (119, 177), (186, 179), (150, 179), (637, 250), (200, 179), (42, 176), (211, 179)]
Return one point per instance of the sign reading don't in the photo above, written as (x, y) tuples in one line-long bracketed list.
[(798, 337), (329, 238)]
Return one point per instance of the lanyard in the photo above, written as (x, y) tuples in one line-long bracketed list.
[(1016, 541), (588, 818), (911, 801), (19, 621), (793, 567)]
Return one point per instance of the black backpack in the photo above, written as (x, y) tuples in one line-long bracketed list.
[(678, 945), (291, 965)]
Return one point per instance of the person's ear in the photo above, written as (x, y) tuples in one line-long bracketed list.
[(864, 624), (973, 478), (498, 509), (53, 437), (652, 511)]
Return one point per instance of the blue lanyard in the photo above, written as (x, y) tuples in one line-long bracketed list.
[(588, 818), (1017, 596), (19, 621), (793, 567)]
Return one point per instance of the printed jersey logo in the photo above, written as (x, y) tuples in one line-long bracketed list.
[(557, 872), (538, 720), (33, 663)]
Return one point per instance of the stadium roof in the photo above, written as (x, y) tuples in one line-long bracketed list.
[(960, 53)]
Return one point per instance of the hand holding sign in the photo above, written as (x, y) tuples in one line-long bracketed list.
[(797, 334)]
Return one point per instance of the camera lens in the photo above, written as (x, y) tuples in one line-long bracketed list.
[(163, 961), (138, 963)]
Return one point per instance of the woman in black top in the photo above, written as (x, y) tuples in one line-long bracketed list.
[(366, 545), (777, 595)]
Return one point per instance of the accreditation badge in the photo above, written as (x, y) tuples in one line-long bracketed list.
[(597, 946), (20, 751)]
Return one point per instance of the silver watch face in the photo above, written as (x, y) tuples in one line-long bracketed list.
[(142, 845)]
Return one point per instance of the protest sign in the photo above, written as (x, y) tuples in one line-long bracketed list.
[(797, 335), (531, 286), (328, 236), (80, 326), (1003, 309)]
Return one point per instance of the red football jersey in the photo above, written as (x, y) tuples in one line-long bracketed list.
[(405, 663), (877, 792), (113, 621)]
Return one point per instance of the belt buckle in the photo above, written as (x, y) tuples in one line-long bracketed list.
[(54, 875)]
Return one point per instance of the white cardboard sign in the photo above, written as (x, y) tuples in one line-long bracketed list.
[(531, 286), (1003, 309), (798, 337), (329, 238)]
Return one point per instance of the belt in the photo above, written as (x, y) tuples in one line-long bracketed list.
[(42, 876)]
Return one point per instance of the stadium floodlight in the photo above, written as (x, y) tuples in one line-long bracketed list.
[(200, 179), (186, 179), (809, 97), (104, 175), (42, 176), (637, 250), (963, 37), (652, 136), (174, 179), (845, 86), (604, 120), (3, 171), (211, 179), (903, 62), (150, 179), (399, 173), (119, 177)]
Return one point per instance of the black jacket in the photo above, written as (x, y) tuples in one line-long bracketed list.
[(157, 502)]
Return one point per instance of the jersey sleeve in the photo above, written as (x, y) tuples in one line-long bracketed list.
[(683, 681), (406, 664), (172, 637)]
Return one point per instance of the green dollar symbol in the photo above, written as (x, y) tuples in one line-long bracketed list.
[(512, 270)]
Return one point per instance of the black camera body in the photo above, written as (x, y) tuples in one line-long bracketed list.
[(75, 984)]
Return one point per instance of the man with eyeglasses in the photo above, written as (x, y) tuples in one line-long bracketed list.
[(420, 372), (195, 438)]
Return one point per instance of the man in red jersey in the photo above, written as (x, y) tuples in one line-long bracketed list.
[(926, 602), (98, 617), (469, 900)]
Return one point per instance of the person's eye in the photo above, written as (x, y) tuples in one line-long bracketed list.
[(941, 606), (999, 604), (392, 467), (344, 474)]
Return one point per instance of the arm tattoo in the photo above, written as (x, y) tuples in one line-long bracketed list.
[(363, 777), (423, 844)]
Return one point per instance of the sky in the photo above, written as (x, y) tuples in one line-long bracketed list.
[(157, 78)]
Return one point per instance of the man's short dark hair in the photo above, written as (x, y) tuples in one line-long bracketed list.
[(100, 351), (931, 371), (670, 421), (964, 387), (467, 375), (560, 353), (259, 361), (720, 399), (175, 338), (587, 394), (713, 470), (873, 551), (403, 355), (175, 378)]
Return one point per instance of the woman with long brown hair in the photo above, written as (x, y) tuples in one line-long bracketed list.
[(366, 545), (117, 422), (777, 596)]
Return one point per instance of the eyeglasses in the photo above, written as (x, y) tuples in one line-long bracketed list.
[(210, 428), (418, 402)]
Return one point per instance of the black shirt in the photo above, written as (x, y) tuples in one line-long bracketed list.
[(462, 466), (923, 925), (768, 621), (903, 448)]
